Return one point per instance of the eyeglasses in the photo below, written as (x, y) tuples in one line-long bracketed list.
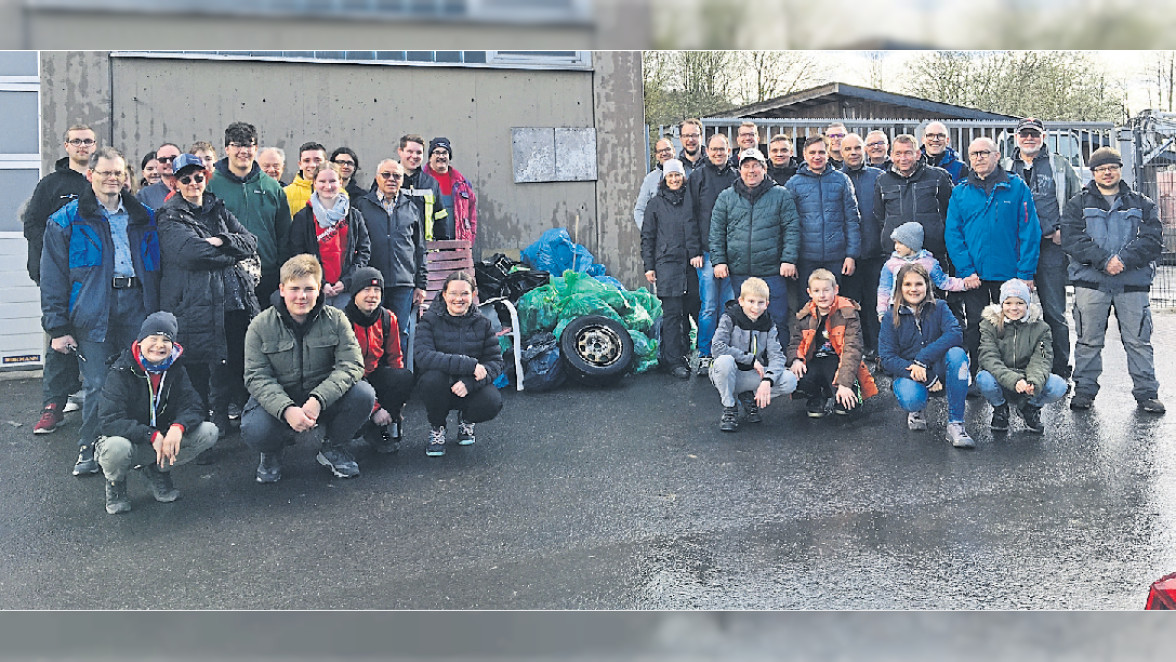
[(440, 152), (392, 175), (980, 153), (690, 135), (1029, 133), (241, 145), (834, 135), (187, 179), (746, 134), (1110, 167), (935, 136), (108, 174), (877, 143), (345, 162), (666, 150), (166, 159), (76, 142)]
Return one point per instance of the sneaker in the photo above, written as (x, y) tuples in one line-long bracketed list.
[(730, 419), (74, 402), (1000, 418), (958, 436), (1152, 406), (269, 469), (51, 419), (704, 364), (815, 406), (117, 500), (465, 432), (338, 460), (750, 408), (917, 421), (234, 411), (681, 372), (842, 411), (436, 447), (161, 484), (383, 441), (1032, 417), (86, 463), (1081, 401)]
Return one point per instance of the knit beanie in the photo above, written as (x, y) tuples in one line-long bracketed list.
[(160, 323), (1104, 156), (365, 277), (1014, 287), (673, 165), (443, 142), (909, 234)]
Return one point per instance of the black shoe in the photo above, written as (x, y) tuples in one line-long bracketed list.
[(843, 411), (465, 432), (815, 406), (681, 372), (1000, 418), (117, 500), (221, 420), (234, 411), (1152, 406), (1081, 401), (436, 446), (338, 460), (269, 469), (730, 419), (1032, 417), (382, 440), (161, 484), (86, 463), (750, 408)]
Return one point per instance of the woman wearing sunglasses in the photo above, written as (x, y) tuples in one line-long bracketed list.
[(201, 244)]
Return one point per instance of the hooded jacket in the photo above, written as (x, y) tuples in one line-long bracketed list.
[(923, 336), (53, 192), (1054, 183), (845, 334), (923, 198), (298, 193), (126, 403), (995, 235), (462, 223), (357, 253), (78, 266), (1093, 232), (754, 231), (889, 274), (748, 341), (397, 239), (456, 345), (669, 238), (949, 161), (378, 335), (201, 282), (1015, 349), (830, 224), (260, 205)]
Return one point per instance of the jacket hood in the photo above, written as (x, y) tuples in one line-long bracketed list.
[(735, 311), (807, 172), (839, 303), (992, 313), (62, 165), (222, 169), (280, 305)]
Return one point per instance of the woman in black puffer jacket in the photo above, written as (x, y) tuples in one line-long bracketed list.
[(457, 359)]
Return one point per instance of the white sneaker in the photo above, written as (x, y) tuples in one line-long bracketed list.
[(958, 436), (74, 402)]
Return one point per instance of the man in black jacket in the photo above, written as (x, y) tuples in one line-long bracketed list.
[(150, 415), (424, 191), (66, 182), (781, 162), (909, 191), (705, 184)]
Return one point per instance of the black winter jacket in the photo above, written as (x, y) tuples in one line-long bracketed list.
[(706, 183), (782, 174), (200, 282), (397, 239), (456, 345), (669, 238), (53, 192), (124, 408), (921, 198), (303, 238)]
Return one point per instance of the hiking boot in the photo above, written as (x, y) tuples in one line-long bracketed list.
[(1152, 406), (465, 432), (74, 402), (436, 447), (269, 468), (704, 364), (117, 500), (917, 421), (958, 436), (86, 463), (1032, 417), (51, 418), (161, 484), (1000, 418), (338, 460), (750, 408), (1081, 401), (815, 406), (730, 419), (681, 372)]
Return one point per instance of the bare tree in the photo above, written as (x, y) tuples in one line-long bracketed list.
[(768, 74)]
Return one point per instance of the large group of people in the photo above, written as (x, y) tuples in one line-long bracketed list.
[(786, 255), (206, 292)]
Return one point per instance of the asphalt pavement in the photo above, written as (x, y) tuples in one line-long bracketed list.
[(626, 497)]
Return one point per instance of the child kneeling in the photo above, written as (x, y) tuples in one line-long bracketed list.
[(825, 350), (1016, 355), (748, 361)]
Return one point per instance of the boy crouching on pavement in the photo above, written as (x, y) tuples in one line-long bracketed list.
[(825, 351), (748, 361), (149, 415)]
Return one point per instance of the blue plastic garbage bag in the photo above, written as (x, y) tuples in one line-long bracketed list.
[(555, 252)]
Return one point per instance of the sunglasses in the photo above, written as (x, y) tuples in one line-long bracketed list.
[(187, 179), (165, 159), (389, 175)]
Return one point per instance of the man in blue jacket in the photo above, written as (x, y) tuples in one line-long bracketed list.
[(99, 281), (862, 286), (992, 235)]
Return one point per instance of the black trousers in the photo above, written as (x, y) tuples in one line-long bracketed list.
[(862, 287), (481, 405), (974, 303), (393, 386), (818, 379), (675, 329), (220, 383)]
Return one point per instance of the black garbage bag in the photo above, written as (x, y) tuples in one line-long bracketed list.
[(500, 276), (542, 369)]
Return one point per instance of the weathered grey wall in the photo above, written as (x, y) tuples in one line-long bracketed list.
[(75, 89), (620, 127)]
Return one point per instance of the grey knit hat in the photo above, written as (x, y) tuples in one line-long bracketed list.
[(1014, 287), (673, 165), (365, 277), (161, 323), (909, 234)]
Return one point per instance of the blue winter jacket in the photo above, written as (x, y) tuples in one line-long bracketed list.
[(77, 266), (922, 336), (830, 224), (996, 236), (1094, 231), (864, 180)]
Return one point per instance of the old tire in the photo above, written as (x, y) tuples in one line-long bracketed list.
[(598, 349)]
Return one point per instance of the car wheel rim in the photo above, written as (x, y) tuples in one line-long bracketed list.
[(599, 346)]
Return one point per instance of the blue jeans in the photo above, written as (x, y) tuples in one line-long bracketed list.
[(1051, 291), (338, 423), (995, 394), (714, 293), (777, 303), (1092, 310), (952, 370), (399, 300), (126, 315)]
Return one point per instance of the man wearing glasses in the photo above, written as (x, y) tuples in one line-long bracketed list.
[(835, 132), (747, 137), (691, 156), (1053, 182), (256, 199), (397, 232), (664, 150), (992, 235), (937, 151), (705, 185), (99, 281), (54, 191), (154, 196), (878, 150)]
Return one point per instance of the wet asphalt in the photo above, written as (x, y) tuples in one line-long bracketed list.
[(626, 497)]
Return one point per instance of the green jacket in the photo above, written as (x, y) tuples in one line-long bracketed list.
[(754, 232), (260, 204), (284, 368), (1012, 351)]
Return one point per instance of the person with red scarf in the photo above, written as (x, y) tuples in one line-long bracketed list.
[(457, 195)]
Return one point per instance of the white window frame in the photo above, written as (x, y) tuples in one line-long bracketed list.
[(580, 61)]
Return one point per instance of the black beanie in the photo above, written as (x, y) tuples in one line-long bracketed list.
[(440, 141), (161, 323), (365, 277)]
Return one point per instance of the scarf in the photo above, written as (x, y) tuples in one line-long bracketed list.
[(327, 218)]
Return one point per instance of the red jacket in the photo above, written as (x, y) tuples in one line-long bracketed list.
[(380, 343), (844, 334)]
